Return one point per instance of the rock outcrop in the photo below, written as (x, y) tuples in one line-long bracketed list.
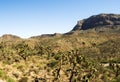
[(98, 21)]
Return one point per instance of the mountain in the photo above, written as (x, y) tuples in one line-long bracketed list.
[(101, 22), (95, 23)]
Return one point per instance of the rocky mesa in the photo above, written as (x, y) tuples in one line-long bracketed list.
[(98, 22)]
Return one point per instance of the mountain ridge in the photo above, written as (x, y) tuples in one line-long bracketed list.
[(95, 23), (98, 21)]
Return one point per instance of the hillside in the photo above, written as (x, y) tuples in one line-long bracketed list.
[(81, 55), (9, 37)]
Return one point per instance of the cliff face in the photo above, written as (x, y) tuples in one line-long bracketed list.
[(97, 21)]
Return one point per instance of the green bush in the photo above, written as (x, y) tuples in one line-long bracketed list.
[(117, 79), (2, 74), (57, 56), (10, 80), (52, 63)]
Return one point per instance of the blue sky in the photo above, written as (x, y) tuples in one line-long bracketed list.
[(27, 18)]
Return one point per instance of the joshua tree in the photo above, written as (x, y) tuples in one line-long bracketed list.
[(49, 52)]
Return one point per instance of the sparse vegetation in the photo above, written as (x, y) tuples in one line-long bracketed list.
[(80, 56), (92, 58)]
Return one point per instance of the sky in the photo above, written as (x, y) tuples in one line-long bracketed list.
[(26, 18)]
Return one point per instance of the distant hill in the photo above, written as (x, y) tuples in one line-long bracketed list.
[(9, 37), (101, 22), (47, 35)]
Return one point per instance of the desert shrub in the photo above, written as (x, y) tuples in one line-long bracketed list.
[(105, 78), (23, 79), (11, 80), (52, 63), (21, 68), (116, 79), (57, 56), (2, 74)]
